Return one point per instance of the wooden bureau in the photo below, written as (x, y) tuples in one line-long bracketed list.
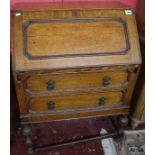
[(74, 63)]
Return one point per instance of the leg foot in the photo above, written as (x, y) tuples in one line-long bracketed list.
[(28, 142), (30, 150), (123, 120), (117, 127)]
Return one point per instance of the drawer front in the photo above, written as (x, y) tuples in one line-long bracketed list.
[(91, 100), (78, 80)]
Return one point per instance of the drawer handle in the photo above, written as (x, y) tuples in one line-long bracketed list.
[(50, 85), (106, 81), (102, 101), (51, 105)]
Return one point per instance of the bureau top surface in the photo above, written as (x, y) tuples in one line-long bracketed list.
[(52, 39)]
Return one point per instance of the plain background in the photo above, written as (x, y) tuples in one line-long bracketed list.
[(5, 74)]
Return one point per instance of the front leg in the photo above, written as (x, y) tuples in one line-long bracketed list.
[(123, 121), (27, 134)]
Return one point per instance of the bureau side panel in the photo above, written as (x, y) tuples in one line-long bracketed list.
[(20, 94)]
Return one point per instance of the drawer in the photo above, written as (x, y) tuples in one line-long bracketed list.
[(76, 101), (76, 80)]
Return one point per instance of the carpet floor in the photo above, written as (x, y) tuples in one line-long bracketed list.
[(57, 132)]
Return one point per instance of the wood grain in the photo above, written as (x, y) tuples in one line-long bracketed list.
[(61, 37), (77, 80), (75, 101), (39, 118), (77, 49), (25, 63)]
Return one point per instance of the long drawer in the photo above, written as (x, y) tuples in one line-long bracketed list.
[(76, 80), (76, 101)]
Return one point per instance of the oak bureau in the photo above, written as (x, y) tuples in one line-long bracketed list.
[(74, 63)]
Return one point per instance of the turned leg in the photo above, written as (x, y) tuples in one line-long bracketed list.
[(27, 134), (123, 120)]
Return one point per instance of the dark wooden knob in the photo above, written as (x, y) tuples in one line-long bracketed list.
[(106, 81), (102, 101), (50, 85), (51, 105)]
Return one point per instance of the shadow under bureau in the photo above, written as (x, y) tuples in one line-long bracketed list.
[(74, 63)]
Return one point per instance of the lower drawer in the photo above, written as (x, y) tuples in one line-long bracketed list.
[(91, 100)]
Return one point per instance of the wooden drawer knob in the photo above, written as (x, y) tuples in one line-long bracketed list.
[(51, 105), (106, 81), (102, 101), (50, 85)]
